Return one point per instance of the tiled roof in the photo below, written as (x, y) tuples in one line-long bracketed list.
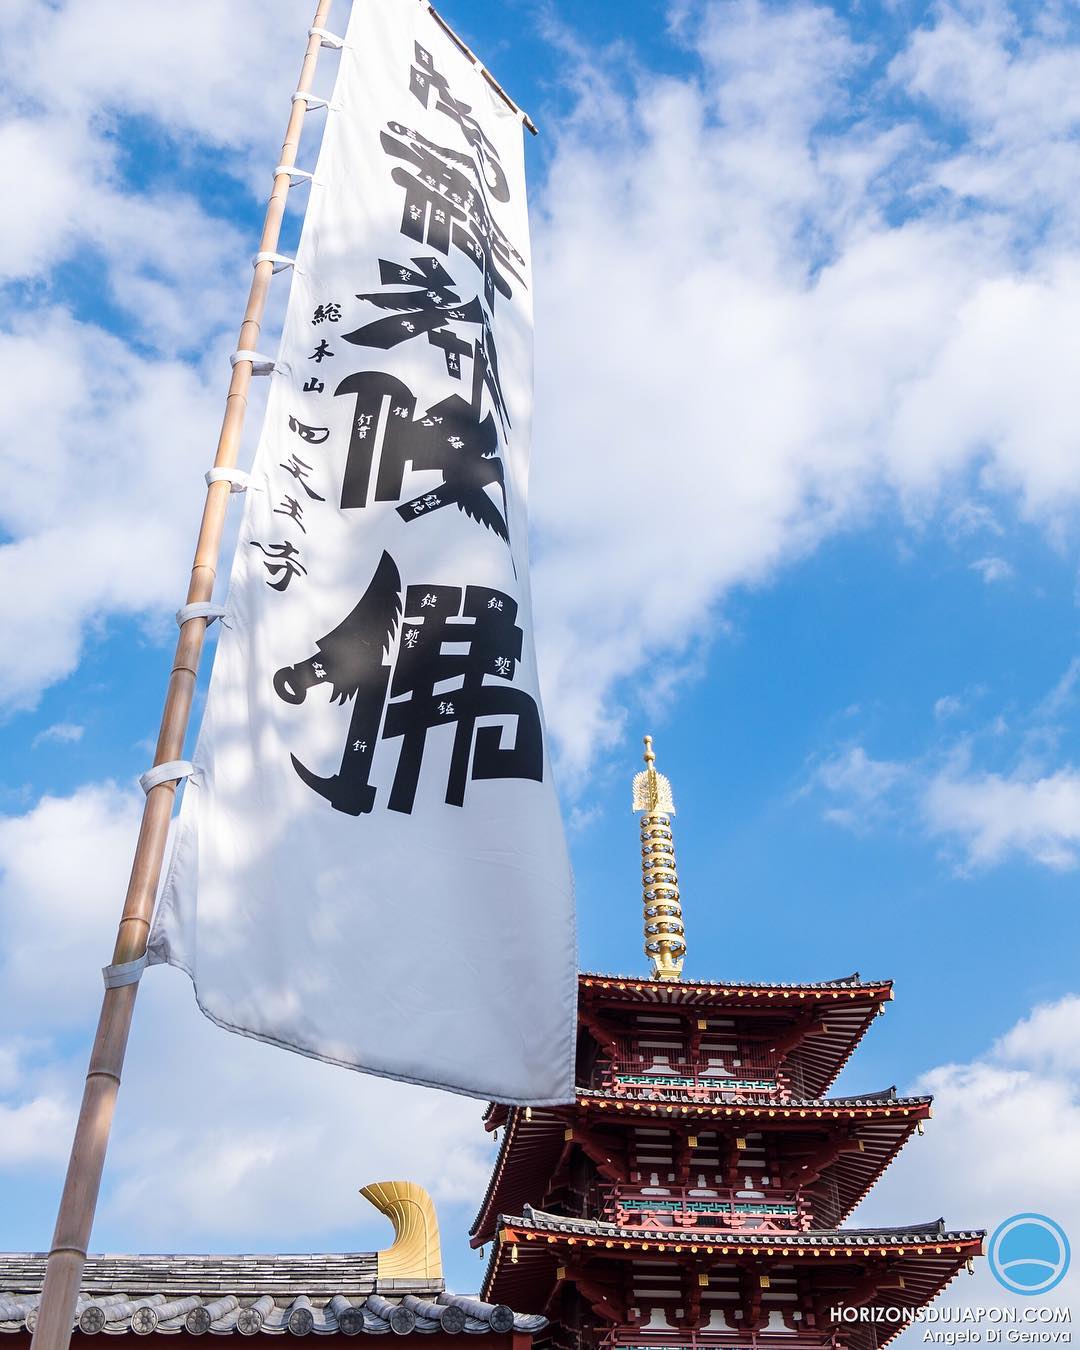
[(250, 1294), (852, 981), (846, 1007), (921, 1258), (632, 1100), (933, 1231), (531, 1145)]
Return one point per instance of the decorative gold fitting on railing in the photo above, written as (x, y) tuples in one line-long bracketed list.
[(665, 942)]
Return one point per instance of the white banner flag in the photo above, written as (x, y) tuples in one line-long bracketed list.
[(370, 865)]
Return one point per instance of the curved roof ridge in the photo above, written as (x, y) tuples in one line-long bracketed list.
[(934, 1228), (791, 1103), (496, 1170), (881, 1095), (854, 980)]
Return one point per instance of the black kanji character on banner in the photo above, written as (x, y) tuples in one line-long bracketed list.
[(450, 437), (443, 641), (351, 661), (431, 307), (291, 507), (313, 435), (320, 352), (283, 563), (481, 641), (301, 471), (423, 78), (444, 205)]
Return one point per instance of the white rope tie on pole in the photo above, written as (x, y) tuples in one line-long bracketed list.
[(127, 972), (313, 101), (200, 609), (260, 365), (302, 174), (172, 771), (327, 39), (238, 478), (280, 261)]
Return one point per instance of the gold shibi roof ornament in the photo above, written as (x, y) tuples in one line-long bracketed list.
[(416, 1253), (665, 942)]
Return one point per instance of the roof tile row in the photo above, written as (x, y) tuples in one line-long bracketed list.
[(301, 1316), (932, 1231)]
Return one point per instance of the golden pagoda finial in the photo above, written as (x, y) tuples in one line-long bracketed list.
[(665, 943)]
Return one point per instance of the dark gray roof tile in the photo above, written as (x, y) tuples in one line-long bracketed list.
[(883, 1097), (285, 1295), (852, 981)]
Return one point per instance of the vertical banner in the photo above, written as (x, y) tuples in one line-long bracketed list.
[(370, 865)]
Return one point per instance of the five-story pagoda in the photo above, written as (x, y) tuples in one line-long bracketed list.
[(694, 1193)]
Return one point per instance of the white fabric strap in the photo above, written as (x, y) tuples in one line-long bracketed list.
[(237, 477), (169, 772), (312, 100), (327, 39), (279, 260), (199, 609), (127, 972), (294, 172), (260, 365)]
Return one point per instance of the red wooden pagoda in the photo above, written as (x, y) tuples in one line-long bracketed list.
[(693, 1194)]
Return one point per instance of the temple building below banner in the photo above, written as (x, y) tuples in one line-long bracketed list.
[(695, 1193)]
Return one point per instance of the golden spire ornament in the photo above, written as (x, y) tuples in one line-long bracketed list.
[(665, 943)]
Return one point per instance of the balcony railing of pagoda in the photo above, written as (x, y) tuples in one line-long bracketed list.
[(634, 1075), (682, 1209), (747, 1075), (715, 1338)]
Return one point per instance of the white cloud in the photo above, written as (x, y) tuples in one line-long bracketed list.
[(107, 433), (1005, 1139), (1014, 94), (984, 817), (1048, 1040), (990, 817), (971, 518), (992, 569), (51, 162), (952, 706), (35, 1131), (63, 866), (103, 453), (85, 59), (863, 785), (60, 733), (788, 309), (9, 1067), (996, 816), (1062, 694), (209, 77)]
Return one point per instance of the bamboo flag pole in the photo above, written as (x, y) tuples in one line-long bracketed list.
[(63, 1272)]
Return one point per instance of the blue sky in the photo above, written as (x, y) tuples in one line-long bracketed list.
[(821, 472)]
